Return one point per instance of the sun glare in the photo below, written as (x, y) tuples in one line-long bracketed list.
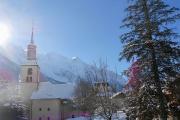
[(5, 33)]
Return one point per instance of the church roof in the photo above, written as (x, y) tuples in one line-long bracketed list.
[(47, 90)]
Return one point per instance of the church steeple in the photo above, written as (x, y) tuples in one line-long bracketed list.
[(30, 70), (32, 36), (31, 49)]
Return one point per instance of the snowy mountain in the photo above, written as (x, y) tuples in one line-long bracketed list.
[(8, 69), (54, 67)]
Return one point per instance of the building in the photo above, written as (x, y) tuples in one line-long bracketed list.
[(46, 100), (29, 73), (52, 102), (103, 88), (119, 99)]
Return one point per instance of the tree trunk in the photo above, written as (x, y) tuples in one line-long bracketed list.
[(163, 114), (154, 66)]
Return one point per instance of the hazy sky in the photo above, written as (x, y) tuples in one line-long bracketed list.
[(88, 29)]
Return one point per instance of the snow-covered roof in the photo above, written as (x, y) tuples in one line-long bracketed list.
[(118, 94), (48, 90)]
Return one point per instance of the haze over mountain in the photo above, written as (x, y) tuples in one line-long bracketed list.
[(54, 67)]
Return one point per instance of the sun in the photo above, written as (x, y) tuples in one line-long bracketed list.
[(5, 33)]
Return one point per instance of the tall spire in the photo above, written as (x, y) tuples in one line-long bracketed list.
[(32, 36), (31, 48)]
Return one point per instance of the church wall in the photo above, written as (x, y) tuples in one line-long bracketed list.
[(34, 75), (46, 108), (26, 90)]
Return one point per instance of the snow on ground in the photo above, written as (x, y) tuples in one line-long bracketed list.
[(120, 115), (78, 118)]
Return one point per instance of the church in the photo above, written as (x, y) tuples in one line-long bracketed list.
[(45, 100)]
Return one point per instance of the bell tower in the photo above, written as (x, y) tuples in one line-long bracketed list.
[(31, 49), (30, 70)]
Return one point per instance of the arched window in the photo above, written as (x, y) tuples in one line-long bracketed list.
[(27, 79), (48, 109), (30, 79)]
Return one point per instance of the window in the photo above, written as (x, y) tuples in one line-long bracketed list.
[(48, 118), (30, 79), (29, 71), (48, 109), (40, 118), (27, 79), (40, 109)]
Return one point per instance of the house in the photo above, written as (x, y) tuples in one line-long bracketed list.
[(103, 88), (52, 102), (119, 99)]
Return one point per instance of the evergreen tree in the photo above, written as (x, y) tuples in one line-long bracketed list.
[(172, 93), (141, 95), (153, 44)]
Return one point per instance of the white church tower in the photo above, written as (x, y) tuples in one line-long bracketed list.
[(30, 71)]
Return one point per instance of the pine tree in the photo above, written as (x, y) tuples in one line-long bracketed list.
[(172, 89), (141, 95), (153, 44)]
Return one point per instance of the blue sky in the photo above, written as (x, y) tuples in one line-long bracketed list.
[(88, 29)]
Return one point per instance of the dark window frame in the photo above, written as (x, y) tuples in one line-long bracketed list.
[(30, 78), (30, 71), (27, 79)]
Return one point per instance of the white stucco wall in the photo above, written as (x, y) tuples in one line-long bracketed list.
[(40, 109), (26, 90), (24, 73)]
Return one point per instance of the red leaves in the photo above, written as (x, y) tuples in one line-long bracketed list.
[(133, 74)]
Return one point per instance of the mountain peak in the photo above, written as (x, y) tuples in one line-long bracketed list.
[(52, 65)]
